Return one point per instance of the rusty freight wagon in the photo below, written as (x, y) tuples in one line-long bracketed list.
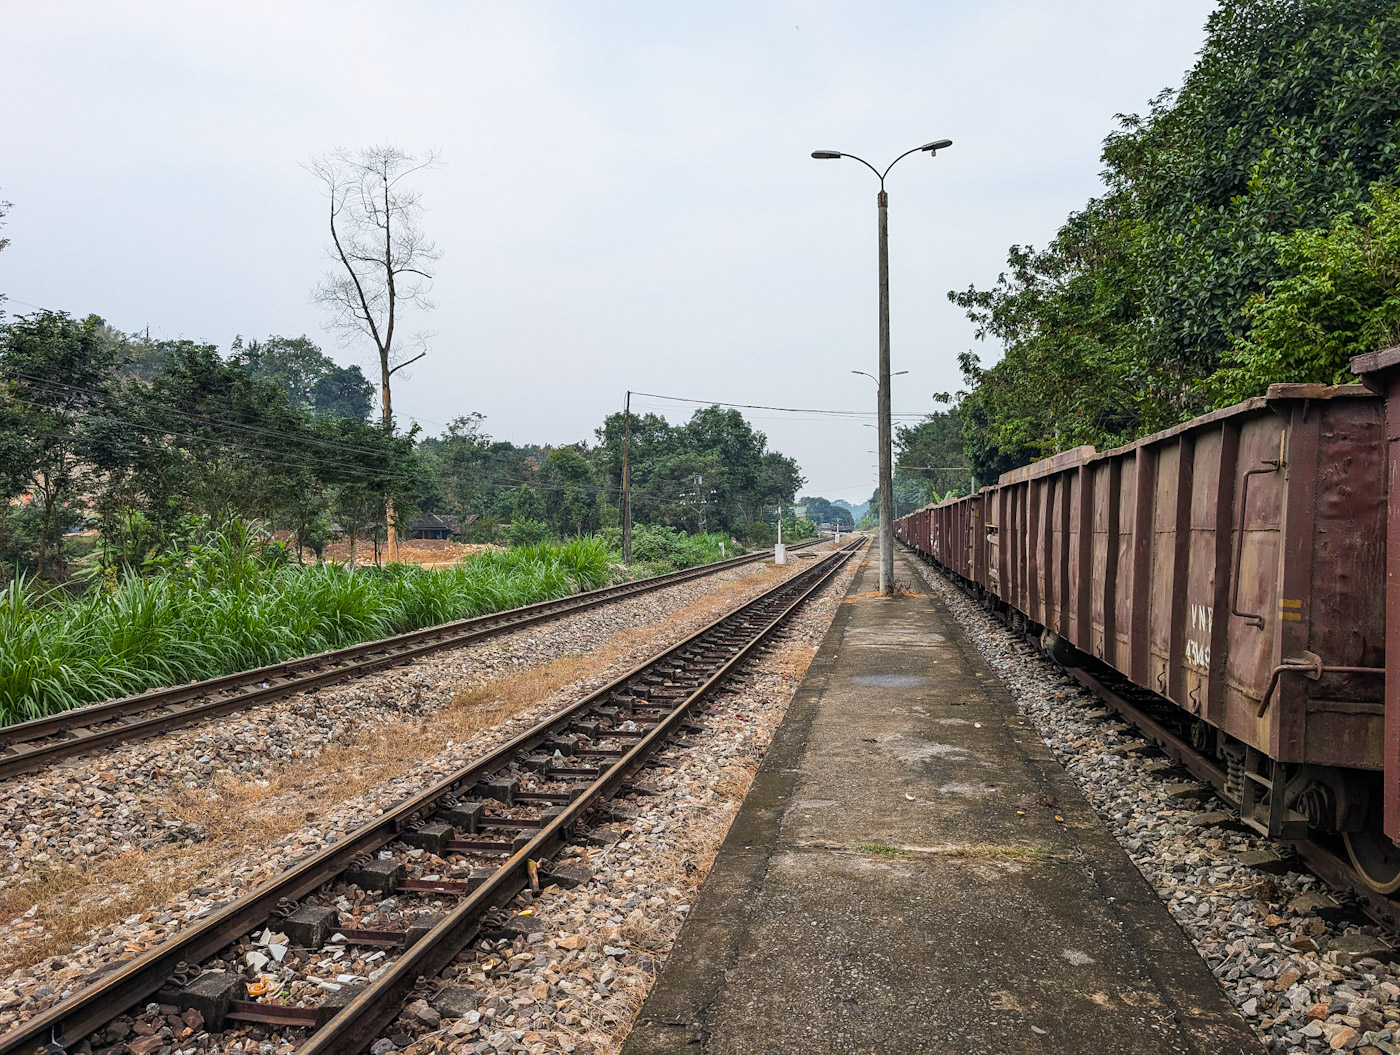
[(1232, 567)]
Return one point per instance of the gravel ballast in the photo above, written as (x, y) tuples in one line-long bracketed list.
[(674, 833), (114, 800), (1307, 974)]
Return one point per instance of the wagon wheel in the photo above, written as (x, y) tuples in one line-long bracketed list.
[(1375, 858)]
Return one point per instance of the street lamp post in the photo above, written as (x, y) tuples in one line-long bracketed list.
[(883, 397)]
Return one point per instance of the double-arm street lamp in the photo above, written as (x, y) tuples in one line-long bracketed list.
[(883, 381), (897, 373)]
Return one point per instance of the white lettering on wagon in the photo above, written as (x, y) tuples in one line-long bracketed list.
[(1198, 640)]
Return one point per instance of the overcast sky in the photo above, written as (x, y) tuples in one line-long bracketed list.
[(627, 199)]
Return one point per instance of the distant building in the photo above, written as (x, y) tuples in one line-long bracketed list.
[(436, 526)]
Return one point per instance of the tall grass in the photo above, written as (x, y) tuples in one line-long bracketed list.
[(227, 606)]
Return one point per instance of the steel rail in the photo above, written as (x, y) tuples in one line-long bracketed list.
[(77, 731), (72, 1019), (354, 1028), (1328, 865)]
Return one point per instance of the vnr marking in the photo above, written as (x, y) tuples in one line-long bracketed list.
[(1198, 648)]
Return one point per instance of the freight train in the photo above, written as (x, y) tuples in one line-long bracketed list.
[(1238, 575)]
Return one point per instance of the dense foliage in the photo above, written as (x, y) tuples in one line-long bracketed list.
[(930, 460), (822, 511), (139, 439), (191, 434), (1241, 240), (713, 473), (1339, 298), (235, 601)]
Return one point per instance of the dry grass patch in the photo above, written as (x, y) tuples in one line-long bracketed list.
[(71, 902)]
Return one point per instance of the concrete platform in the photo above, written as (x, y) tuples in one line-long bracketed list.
[(880, 892)]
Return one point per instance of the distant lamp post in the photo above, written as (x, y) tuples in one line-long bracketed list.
[(883, 381)]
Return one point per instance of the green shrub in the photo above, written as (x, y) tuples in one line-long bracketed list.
[(525, 531), (665, 548)]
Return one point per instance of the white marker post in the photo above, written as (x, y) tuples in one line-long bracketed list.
[(780, 551)]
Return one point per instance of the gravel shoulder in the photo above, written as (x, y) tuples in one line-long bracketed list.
[(135, 797), (1304, 973), (113, 853)]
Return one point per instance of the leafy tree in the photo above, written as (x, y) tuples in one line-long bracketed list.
[(931, 452), (527, 504), (735, 451), (1283, 124), (526, 531), (204, 437), (142, 357), (1288, 116), (1340, 298), (476, 475), (796, 530), (821, 511), (715, 466), (571, 500), (779, 480), (311, 379), (650, 437), (211, 438), (53, 371), (909, 495)]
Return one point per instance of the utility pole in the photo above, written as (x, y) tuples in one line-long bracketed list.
[(626, 488)]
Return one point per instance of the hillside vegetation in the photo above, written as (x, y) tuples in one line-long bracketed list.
[(1249, 233)]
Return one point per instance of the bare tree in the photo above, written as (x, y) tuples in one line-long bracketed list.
[(382, 261)]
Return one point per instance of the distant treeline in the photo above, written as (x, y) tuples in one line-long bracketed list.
[(148, 441)]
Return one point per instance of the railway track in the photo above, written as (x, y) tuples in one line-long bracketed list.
[(1328, 862), (487, 833), (1159, 722), (25, 746)]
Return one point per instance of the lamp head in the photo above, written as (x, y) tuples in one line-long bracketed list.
[(936, 146), (823, 155)]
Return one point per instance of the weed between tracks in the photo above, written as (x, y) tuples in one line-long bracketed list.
[(72, 901), (880, 850)]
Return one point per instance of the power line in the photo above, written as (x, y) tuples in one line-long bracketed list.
[(98, 397), (261, 454), (785, 410), (513, 480)]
